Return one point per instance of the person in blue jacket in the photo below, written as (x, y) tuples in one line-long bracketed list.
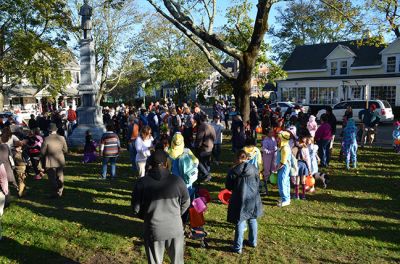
[(245, 204)]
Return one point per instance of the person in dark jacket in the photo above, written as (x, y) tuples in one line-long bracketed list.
[(238, 134), (204, 145), (33, 123), (160, 199), (245, 204), (370, 119)]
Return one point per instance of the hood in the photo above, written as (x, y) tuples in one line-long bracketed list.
[(158, 173), (284, 136), (311, 119), (251, 151), (177, 146)]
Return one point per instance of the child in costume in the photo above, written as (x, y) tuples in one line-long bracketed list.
[(269, 151), (312, 125), (396, 136), (303, 168), (89, 149), (20, 167), (350, 143), (283, 161)]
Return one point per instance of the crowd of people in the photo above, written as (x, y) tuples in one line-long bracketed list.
[(172, 150)]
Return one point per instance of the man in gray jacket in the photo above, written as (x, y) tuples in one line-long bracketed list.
[(53, 149), (160, 199)]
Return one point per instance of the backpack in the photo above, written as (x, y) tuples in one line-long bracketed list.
[(187, 168)]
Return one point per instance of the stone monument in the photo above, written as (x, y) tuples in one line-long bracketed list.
[(89, 114)]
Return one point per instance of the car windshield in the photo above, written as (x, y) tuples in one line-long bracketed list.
[(386, 104)]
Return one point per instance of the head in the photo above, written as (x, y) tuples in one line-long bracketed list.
[(329, 110), (372, 107), (145, 133), (311, 119), (216, 118), (240, 156), (53, 128), (324, 118), (110, 126), (250, 141), (349, 109), (396, 125), (32, 116), (283, 138), (18, 146), (70, 107), (270, 132)]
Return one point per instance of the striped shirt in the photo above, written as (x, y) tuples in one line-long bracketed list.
[(110, 144)]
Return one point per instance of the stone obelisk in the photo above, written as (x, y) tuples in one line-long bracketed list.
[(89, 114)]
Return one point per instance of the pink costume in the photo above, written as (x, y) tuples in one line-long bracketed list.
[(269, 151), (312, 125)]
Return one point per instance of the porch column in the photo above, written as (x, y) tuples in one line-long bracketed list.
[(307, 95), (39, 108), (57, 102), (74, 103)]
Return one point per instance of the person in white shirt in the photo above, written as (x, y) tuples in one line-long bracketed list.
[(143, 145), (218, 127)]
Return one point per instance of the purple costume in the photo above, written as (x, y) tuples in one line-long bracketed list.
[(269, 151)]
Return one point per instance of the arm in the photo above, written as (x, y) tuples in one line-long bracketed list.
[(43, 149), (230, 181), (185, 199), (65, 146), (199, 137)]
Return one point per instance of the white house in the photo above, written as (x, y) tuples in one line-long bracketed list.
[(333, 72), (29, 99)]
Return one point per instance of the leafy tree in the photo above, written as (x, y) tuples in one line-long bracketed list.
[(33, 44), (309, 22), (196, 19), (170, 57), (113, 24), (129, 82), (386, 13)]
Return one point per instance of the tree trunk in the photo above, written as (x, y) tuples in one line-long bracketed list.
[(1, 96), (242, 86)]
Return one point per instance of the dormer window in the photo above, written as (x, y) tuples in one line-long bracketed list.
[(391, 64), (343, 68), (333, 67), (339, 67)]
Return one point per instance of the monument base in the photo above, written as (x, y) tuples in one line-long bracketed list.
[(89, 118)]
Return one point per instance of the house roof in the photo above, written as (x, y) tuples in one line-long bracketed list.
[(313, 56)]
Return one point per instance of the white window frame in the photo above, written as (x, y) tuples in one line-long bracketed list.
[(393, 65), (338, 68)]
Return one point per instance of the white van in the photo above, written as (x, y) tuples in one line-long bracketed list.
[(382, 107)]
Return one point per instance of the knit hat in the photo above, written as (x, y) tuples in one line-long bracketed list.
[(158, 157)]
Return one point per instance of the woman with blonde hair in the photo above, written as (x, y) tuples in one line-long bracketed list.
[(143, 145)]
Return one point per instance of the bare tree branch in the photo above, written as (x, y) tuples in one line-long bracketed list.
[(188, 24)]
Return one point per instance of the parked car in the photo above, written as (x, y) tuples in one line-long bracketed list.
[(286, 105), (382, 106)]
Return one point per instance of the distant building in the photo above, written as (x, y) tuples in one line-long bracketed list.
[(29, 99), (333, 72)]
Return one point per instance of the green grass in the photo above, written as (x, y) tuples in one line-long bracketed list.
[(355, 220)]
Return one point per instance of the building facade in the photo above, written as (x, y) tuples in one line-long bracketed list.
[(334, 72)]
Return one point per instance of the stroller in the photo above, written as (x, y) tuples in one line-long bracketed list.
[(196, 216)]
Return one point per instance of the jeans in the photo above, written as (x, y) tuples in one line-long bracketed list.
[(323, 151), (132, 155), (284, 183), (113, 163), (217, 152), (204, 165), (239, 232)]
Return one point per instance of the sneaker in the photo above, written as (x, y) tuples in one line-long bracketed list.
[(38, 177), (237, 251), (303, 197), (296, 197), (283, 204)]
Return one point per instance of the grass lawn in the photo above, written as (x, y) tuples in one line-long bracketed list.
[(355, 220)]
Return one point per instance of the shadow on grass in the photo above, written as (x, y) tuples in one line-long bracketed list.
[(30, 254)]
